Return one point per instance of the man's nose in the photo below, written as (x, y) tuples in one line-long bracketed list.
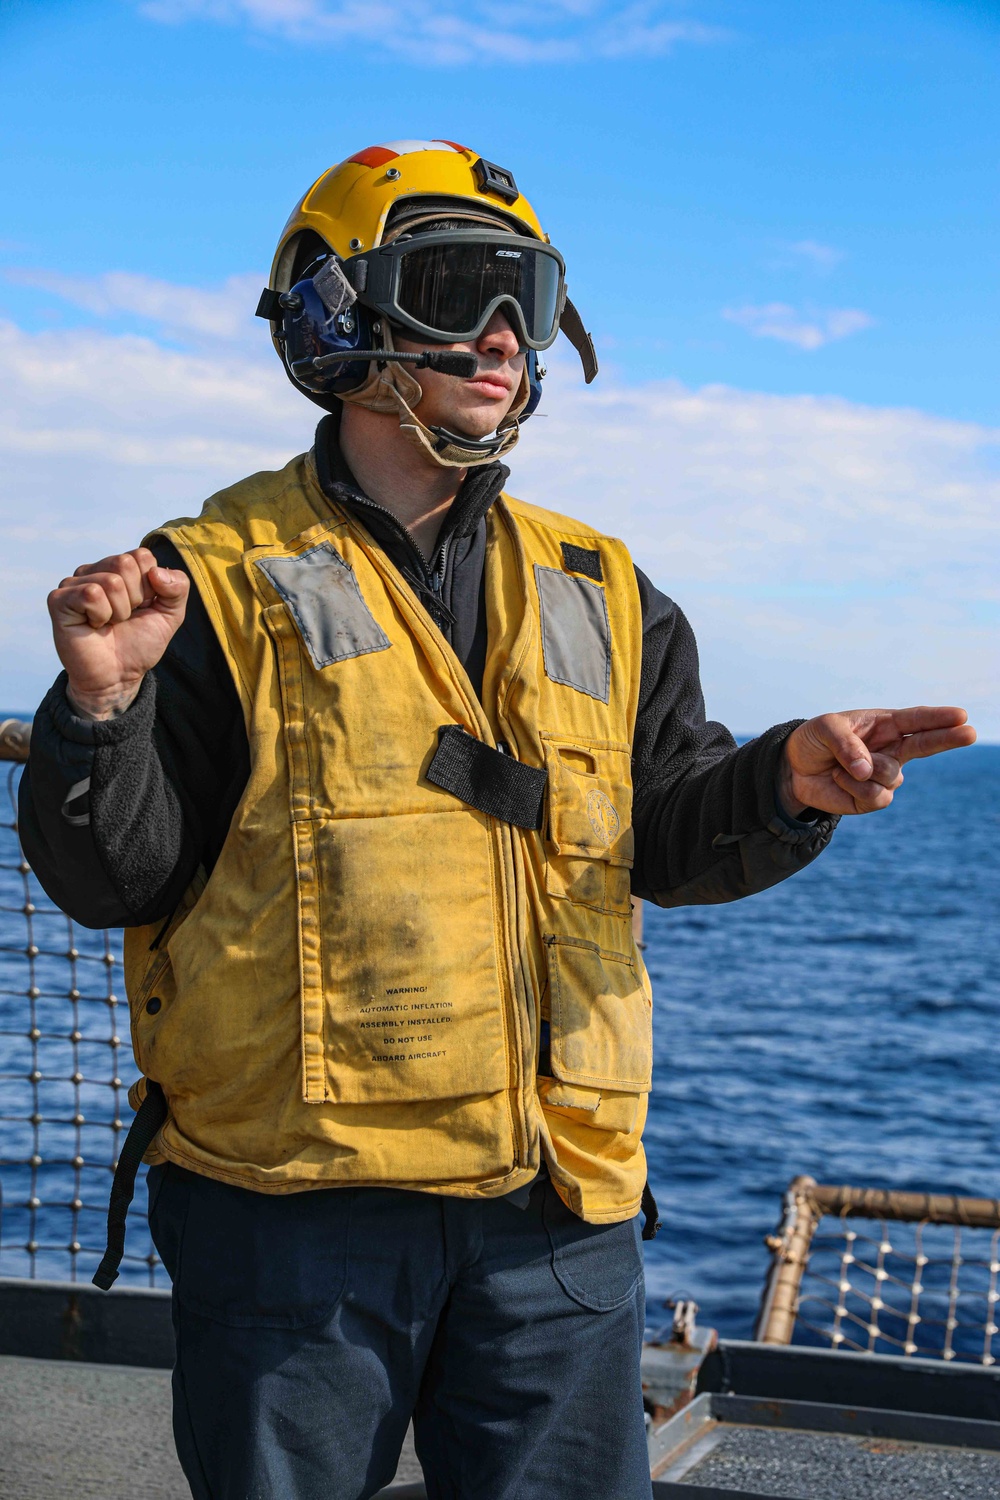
[(498, 338)]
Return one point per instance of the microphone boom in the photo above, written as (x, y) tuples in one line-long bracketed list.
[(445, 361)]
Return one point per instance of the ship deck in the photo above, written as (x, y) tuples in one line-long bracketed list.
[(85, 1413), (77, 1431)]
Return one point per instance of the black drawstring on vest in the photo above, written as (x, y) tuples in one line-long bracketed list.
[(650, 1214), (149, 1117)]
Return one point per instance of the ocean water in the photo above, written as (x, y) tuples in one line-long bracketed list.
[(844, 1024)]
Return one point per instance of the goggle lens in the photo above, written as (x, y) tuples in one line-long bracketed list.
[(449, 287)]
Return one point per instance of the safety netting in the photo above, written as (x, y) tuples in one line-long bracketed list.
[(63, 1101), (883, 1272)]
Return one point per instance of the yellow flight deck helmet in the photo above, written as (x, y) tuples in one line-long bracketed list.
[(430, 239)]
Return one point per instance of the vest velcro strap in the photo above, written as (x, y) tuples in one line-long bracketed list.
[(650, 1214), (143, 1131), (488, 779)]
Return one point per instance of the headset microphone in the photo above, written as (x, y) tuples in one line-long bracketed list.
[(445, 361), (318, 346)]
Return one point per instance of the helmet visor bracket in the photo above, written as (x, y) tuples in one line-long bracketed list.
[(445, 287)]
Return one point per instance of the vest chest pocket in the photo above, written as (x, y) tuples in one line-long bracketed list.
[(576, 634), (589, 843), (601, 1018), (321, 592)]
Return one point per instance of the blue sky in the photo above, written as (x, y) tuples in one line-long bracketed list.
[(780, 221)]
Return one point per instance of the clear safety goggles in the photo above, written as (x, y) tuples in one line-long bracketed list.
[(446, 287)]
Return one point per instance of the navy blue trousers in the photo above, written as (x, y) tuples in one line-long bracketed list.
[(312, 1326)]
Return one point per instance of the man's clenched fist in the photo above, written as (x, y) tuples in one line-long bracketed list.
[(112, 621), (852, 762)]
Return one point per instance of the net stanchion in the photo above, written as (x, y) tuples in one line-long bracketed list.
[(63, 1104), (879, 1272), (790, 1248), (990, 1327)]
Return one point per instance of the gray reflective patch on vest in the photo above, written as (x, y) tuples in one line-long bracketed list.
[(322, 593), (576, 636)]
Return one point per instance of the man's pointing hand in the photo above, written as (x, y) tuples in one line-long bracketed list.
[(852, 762)]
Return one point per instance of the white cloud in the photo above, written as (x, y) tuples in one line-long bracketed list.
[(223, 312), (813, 253), (830, 554), (806, 329), (101, 436), (452, 32)]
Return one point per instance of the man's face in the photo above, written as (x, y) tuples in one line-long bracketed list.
[(473, 408)]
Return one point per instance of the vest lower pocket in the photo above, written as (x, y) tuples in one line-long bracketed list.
[(589, 842), (589, 882), (402, 995), (601, 1018), (599, 1109)]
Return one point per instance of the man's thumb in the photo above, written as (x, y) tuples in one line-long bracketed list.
[(850, 750), (171, 586)]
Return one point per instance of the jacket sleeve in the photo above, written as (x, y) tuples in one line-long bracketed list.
[(708, 827), (115, 817)]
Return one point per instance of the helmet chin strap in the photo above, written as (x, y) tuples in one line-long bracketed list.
[(394, 391)]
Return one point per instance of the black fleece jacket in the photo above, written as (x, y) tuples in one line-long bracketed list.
[(116, 817)]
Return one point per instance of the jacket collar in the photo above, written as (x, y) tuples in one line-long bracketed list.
[(479, 490)]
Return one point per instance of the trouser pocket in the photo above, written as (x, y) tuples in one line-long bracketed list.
[(598, 1265), (252, 1260)]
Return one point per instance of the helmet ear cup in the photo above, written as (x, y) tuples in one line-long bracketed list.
[(309, 331)]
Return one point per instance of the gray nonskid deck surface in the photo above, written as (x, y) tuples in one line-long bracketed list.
[(100, 1431), (94, 1432), (825, 1466)]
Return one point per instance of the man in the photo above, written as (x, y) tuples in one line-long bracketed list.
[(372, 801)]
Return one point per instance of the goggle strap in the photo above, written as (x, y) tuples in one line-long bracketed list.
[(572, 326)]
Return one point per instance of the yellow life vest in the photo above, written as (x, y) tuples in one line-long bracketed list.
[(354, 995)]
